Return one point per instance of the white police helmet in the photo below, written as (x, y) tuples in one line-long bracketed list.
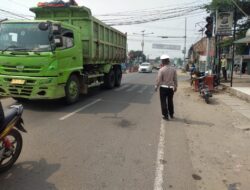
[(165, 56)]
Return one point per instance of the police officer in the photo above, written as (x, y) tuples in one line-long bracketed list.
[(167, 82)]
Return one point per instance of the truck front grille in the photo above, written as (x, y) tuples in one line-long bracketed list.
[(22, 90), (25, 69)]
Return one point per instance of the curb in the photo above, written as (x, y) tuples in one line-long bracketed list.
[(237, 93)]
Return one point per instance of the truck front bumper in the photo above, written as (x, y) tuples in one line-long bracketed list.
[(31, 87)]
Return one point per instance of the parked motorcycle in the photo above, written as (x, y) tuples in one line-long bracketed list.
[(204, 90), (11, 141)]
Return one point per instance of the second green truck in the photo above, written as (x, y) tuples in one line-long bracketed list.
[(62, 53)]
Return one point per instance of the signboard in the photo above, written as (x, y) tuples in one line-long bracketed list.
[(238, 60), (224, 23), (166, 46)]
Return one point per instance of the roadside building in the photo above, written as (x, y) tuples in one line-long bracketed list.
[(202, 54)]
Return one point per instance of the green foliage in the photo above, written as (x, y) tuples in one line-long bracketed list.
[(136, 55), (157, 59), (179, 61), (228, 5), (218, 5)]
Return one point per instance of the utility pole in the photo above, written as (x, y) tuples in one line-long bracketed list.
[(202, 28), (142, 42), (234, 31), (185, 42), (143, 34)]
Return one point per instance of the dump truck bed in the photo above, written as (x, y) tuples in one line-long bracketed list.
[(101, 43)]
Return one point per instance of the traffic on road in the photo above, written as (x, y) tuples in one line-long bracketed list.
[(86, 103)]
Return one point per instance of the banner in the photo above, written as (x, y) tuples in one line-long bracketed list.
[(224, 23), (166, 46)]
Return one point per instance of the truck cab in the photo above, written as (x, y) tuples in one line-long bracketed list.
[(37, 57)]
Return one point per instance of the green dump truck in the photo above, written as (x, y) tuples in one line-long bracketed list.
[(62, 53)]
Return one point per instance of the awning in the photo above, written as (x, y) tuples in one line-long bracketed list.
[(244, 40)]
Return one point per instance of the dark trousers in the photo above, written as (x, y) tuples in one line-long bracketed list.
[(224, 72), (166, 97)]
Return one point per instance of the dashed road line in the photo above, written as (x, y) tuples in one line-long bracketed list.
[(122, 87), (132, 88), (143, 89), (80, 109)]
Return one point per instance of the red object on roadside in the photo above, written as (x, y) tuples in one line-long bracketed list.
[(196, 85), (209, 81)]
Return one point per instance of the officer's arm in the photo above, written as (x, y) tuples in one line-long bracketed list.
[(158, 80), (175, 81)]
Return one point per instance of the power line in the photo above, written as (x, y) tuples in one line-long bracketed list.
[(14, 14), (152, 13), (149, 10), (146, 20), (149, 15)]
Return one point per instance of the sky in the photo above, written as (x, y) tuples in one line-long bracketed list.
[(169, 27)]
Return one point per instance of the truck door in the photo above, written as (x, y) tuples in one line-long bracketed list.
[(69, 55)]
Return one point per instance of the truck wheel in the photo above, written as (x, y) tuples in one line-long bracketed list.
[(118, 77), (72, 89), (109, 80)]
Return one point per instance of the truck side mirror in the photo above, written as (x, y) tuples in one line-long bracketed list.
[(43, 26), (58, 41), (56, 29)]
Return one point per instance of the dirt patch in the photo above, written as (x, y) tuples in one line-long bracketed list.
[(196, 177)]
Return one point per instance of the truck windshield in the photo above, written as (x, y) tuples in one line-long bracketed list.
[(23, 37)]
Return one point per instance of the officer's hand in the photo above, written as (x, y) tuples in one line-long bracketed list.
[(175, 89), (156, 88)]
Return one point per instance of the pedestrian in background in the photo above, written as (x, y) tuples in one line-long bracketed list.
[(192, 72), (224, 67), (167, 82)]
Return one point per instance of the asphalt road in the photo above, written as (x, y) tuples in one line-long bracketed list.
[(113, 140)]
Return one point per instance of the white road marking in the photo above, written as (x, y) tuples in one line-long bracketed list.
[(122, 87), (143, 89), (78, 110), (160, 157), (132, 88)]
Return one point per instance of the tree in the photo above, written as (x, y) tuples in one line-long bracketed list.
[(179, 61), (136, 55), (222, 5), (157, 60)]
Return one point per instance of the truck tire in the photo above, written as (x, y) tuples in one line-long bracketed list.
[(72, 90), (118, 77), (109, 80)]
